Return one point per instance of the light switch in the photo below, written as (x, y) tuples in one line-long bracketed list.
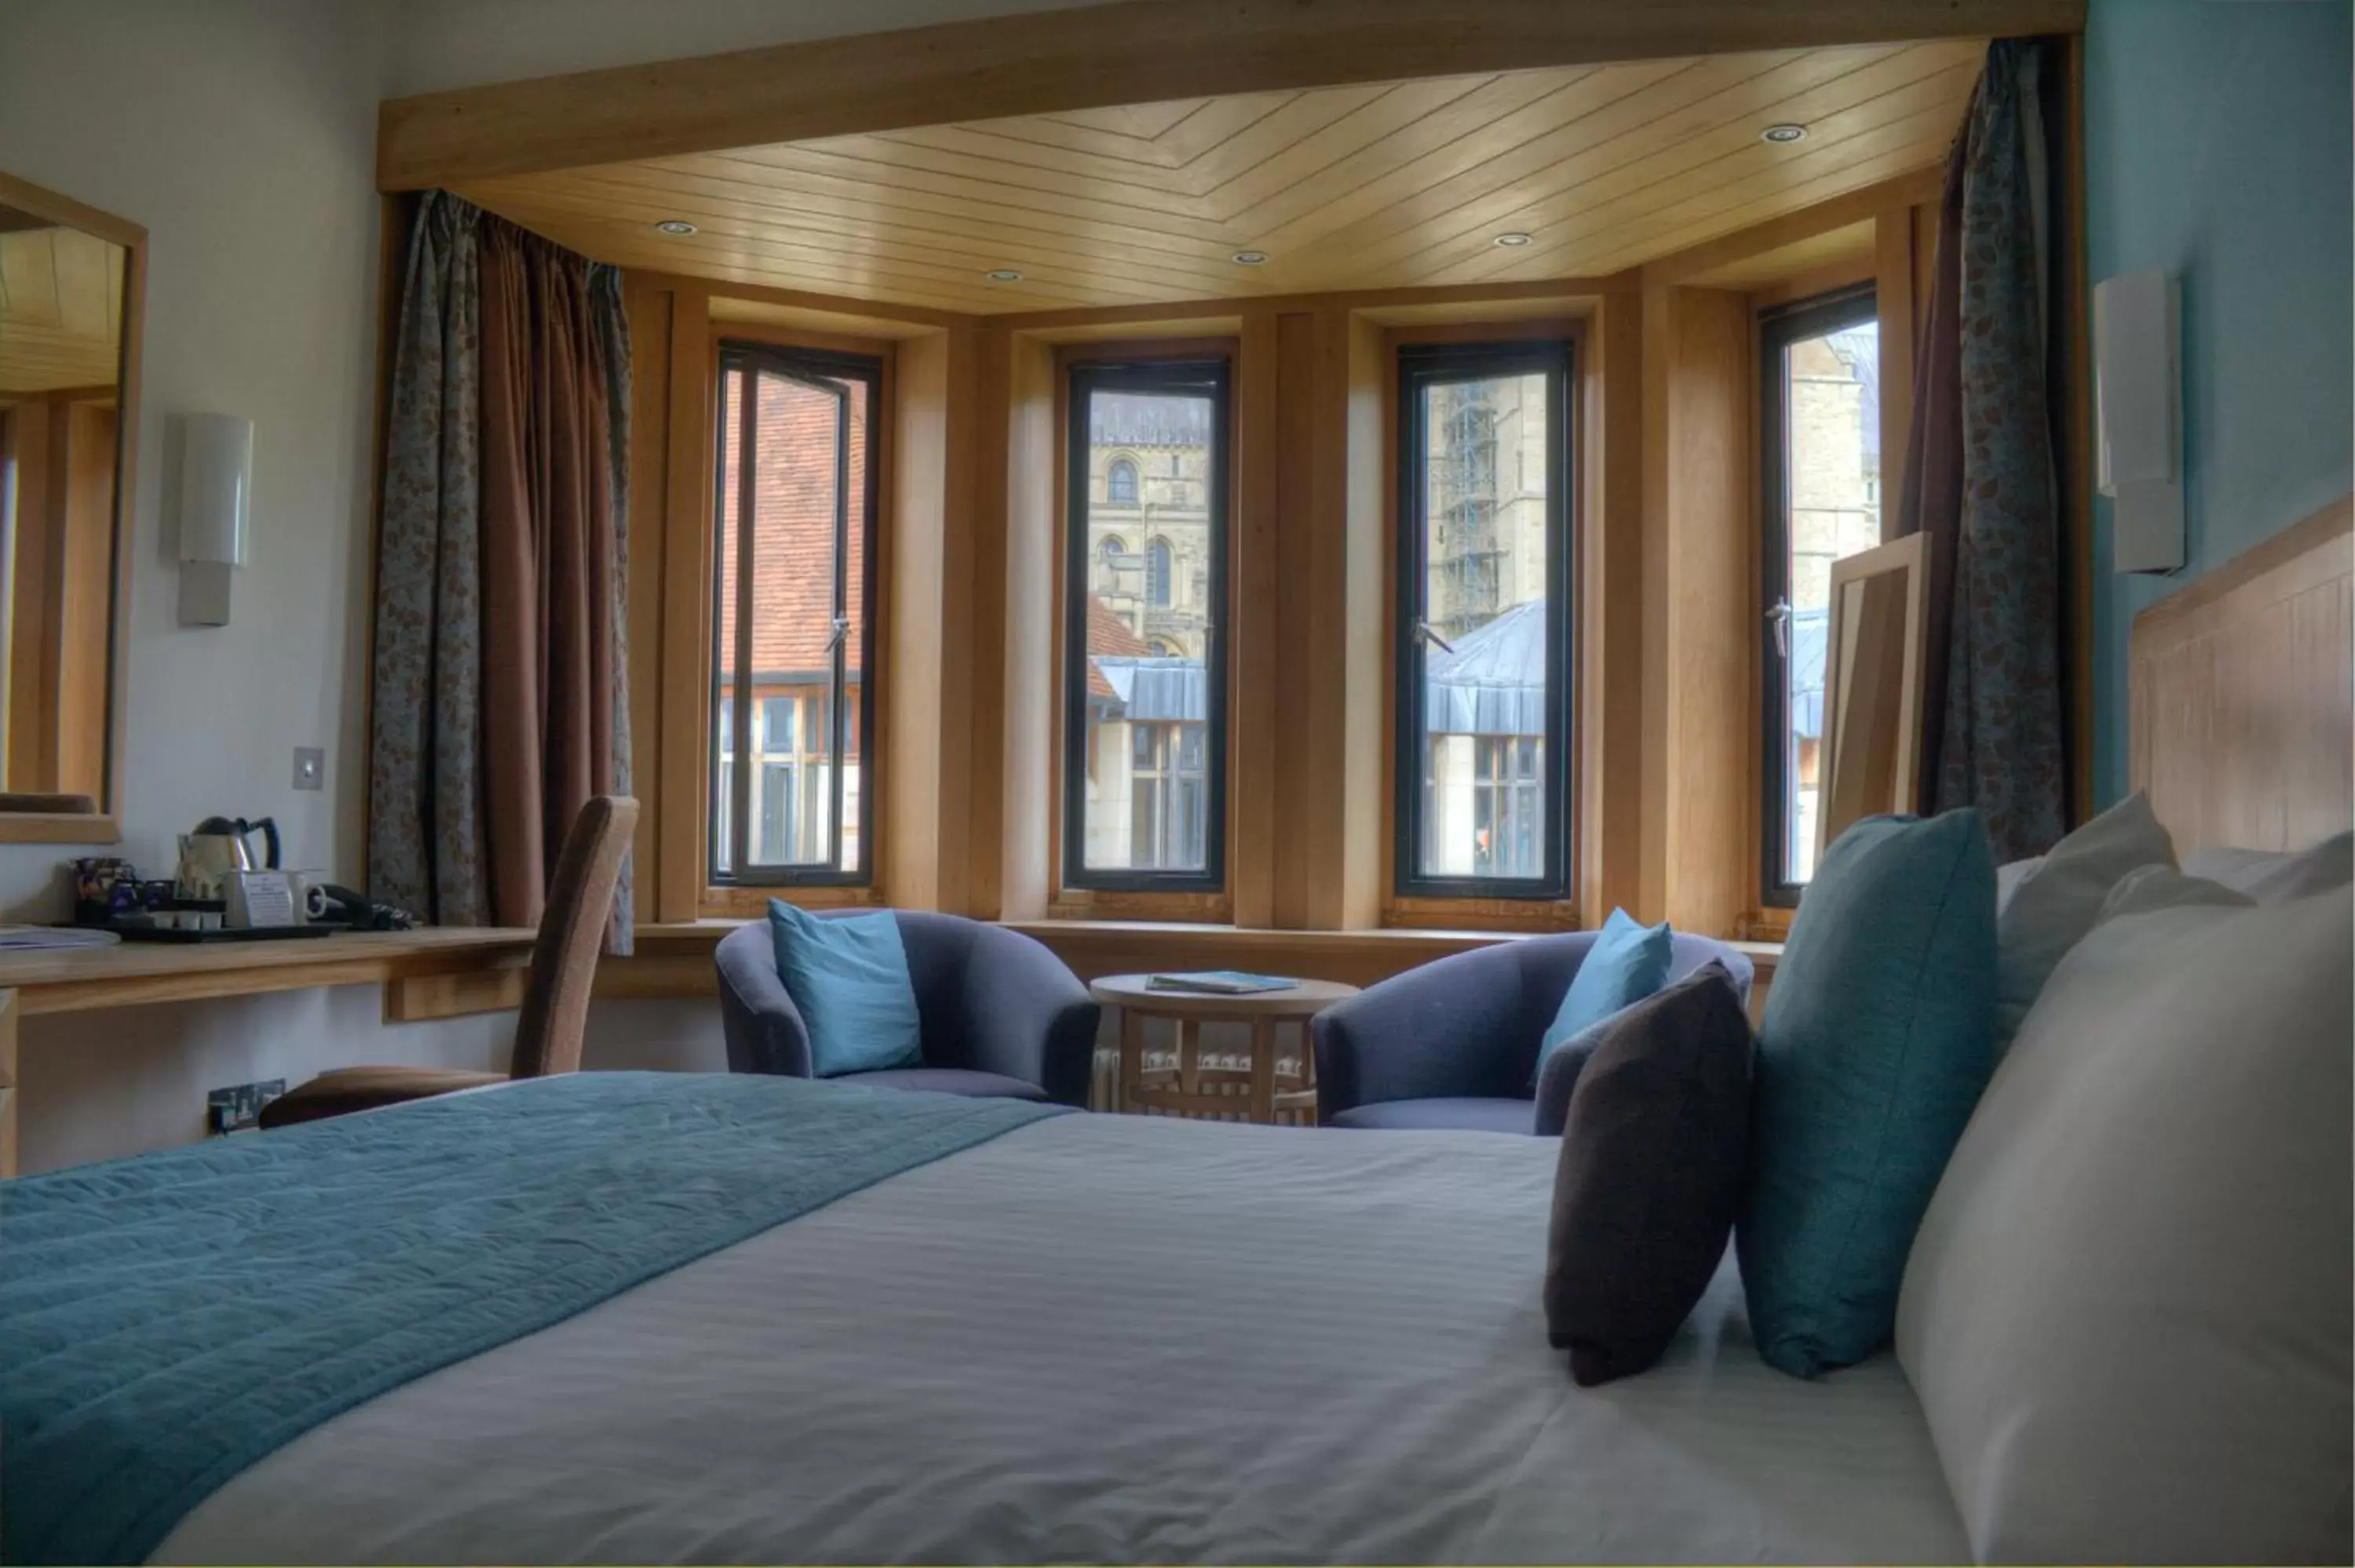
[(310, 767)]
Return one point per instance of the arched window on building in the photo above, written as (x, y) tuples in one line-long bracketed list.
[(1156, 574), (1112, 547), (1120, 484)]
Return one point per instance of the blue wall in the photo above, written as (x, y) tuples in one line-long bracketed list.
[(2217, 135)]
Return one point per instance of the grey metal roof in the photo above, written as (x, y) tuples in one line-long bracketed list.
[(1157, 691), (1810, 633), (1494, 683)]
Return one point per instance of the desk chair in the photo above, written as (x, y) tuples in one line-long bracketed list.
[(555, 1001)]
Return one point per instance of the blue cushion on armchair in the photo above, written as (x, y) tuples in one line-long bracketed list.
[(1628, 962), (1878, 1037), (849, 979)]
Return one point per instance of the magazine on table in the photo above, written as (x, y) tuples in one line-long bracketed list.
[(1217, 982)]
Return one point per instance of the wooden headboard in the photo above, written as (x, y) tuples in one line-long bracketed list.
[(2241, 691)]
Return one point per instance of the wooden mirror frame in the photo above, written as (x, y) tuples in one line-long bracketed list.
[(103, 826), (1888, 688)]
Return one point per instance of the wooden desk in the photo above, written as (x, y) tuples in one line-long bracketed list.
[(486, 962)]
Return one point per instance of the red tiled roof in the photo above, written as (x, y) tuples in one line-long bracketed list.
[(793, 543), (1108, 633)]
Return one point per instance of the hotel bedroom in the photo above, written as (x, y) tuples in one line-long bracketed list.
[(978, 780)]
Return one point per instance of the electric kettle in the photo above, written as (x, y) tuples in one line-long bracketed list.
[(209, 855)]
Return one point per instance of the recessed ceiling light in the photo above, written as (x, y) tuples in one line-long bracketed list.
[(1003, 275), (1784, 135), (1511, 237), (1251, 258), (678, 226)]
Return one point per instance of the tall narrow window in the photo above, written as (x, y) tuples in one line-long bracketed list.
[(1819, 403), (793, 600), (1120, 484), (1156, 575), (1484, 621), (1145, 676)]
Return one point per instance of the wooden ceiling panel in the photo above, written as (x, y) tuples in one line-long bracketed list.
[(1358, 187), (61, 310)]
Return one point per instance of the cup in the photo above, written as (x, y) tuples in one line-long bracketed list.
[(310, 889)]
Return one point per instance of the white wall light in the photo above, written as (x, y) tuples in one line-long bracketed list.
[(215, 486), (2138, 407)]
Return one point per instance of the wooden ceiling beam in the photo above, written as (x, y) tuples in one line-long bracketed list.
[(1923, 185), (1103, 55)]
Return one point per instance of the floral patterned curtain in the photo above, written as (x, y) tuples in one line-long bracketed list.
[(502, 687), (1980, 477)]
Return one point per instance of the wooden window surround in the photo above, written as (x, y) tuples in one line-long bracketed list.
[(674, 556), (1787, 434), (1082, 896), (1315, 402), (793, 703), (1481, 910)]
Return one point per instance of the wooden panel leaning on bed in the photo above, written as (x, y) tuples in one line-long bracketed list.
[(2240, 692)]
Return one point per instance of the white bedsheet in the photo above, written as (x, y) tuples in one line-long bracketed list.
[(1113, 1340)]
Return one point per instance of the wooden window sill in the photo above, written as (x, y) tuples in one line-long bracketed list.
[(674, 959)]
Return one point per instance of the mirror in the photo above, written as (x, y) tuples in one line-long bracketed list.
[(69, 304), (1872, 685)]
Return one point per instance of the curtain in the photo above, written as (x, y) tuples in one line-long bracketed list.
[(1980, 478), (502, 685)]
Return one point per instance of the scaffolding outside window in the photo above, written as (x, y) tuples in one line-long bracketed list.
[(1484, 683)]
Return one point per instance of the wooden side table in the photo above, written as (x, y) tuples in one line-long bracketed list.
[(1190, 1088)]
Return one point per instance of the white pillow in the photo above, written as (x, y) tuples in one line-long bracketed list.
[(2127, 1312), (2150, 888), (2010, 876), (2275, 878), (2057, 902)]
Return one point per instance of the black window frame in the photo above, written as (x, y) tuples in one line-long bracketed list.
[(1211, 378), (1420, 365), (1778, 328), (808, 367)]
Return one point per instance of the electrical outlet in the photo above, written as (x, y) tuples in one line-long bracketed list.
[(238, 1108), (310, 767)]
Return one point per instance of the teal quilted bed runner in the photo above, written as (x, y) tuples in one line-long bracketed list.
[(167, 1320)]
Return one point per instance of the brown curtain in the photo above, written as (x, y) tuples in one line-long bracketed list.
[(549, 554), (502, 695), (1981, 478)]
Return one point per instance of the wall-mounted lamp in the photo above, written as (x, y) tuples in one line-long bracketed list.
[(215, 486), (2139, 406)]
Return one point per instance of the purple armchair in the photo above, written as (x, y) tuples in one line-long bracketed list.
[(1452, 1044), (1000, 1015)]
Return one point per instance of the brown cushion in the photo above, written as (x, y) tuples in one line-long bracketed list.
[(348, 1089), (1653, 1154)]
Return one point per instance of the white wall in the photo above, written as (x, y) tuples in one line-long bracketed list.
[(242, 135)]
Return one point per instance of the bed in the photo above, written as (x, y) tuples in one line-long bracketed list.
[(1044, 1337), (1104, 1341)]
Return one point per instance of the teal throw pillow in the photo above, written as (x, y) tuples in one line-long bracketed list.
[(1628, 962), (849, 979), (1877, 1038)]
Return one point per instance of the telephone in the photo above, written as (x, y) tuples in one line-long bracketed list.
[(362, 913)]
